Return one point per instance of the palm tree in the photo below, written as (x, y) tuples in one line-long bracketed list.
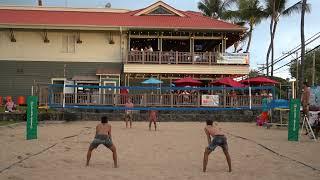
[(304, 6), (249, 11), (275, 9), (215, 8)]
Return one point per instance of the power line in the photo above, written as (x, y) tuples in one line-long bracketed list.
[(292, 51), (298, 58)]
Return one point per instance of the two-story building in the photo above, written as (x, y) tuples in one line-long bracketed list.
[(112, 47)]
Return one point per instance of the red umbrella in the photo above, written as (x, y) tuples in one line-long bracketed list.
[(259, 81), (227, 82), (188, 81)]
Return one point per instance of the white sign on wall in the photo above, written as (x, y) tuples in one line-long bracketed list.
[(210, 100), (233, 58)]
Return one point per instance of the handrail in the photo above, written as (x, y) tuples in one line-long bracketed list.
[(175, 57)]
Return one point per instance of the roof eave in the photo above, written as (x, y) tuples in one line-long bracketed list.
[(98, 27)]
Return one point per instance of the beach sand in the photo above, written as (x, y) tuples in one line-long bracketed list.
[(174, 152)]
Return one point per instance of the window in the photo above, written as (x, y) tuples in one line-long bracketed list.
[(160, 11), (68, 43)]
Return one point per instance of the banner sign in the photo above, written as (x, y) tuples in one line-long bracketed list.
[(32, 117), (233, 58), (294, 120), (210, 100), (315, 98)]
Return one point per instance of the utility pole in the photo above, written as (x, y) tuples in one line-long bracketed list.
[(313, 67), (263, 67)]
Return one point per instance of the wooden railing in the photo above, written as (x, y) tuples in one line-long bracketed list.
[(153, 100), (171, 57)]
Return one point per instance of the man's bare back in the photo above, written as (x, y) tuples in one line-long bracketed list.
[(104, 129), (213, 130)]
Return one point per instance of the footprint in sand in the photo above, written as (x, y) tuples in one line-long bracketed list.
[(27, 154), (67, 149), (15, 178), (19, 157), (67, 161), (25, 165)]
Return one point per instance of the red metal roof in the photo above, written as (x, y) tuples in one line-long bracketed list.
[(49, 17)]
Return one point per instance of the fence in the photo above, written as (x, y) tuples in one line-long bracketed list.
[(169, 98)]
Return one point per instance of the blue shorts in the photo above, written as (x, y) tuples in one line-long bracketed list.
[(218, 140)]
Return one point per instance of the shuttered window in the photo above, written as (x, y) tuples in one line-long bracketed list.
[(68, 43)]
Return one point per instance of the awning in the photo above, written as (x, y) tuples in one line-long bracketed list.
[(113, 70)]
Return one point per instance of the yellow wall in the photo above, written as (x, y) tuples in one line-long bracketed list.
[(30, 47)]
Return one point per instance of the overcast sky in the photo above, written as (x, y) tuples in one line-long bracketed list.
[(287, 36)]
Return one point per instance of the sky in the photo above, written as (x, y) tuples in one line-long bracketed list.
[(287, 35)]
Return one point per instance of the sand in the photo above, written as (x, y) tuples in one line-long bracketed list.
[(173, 152)]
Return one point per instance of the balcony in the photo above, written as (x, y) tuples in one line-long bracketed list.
[(203, 58)]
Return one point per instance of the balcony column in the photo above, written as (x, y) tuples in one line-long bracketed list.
[(129, 39), (192, 47), (160, 42), (223, 44)]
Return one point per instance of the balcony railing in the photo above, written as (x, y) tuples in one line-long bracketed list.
[(171, 57), (161, 57)]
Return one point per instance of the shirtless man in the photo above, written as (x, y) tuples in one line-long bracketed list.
[(103, 136), (219, 139), (305, 98), (128, 113), (153, 119)]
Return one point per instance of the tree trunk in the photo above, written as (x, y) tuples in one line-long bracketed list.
[(301, 76), (272, 45), (250, 36), (269, 48)]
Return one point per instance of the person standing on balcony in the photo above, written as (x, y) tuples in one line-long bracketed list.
[(150, 49), (128, 113)]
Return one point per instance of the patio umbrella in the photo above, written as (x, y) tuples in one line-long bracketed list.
[(152, 81), (258, 81), (227, 82), (188, 81)]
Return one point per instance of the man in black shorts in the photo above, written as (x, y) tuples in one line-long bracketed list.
[(103, 136), (219, 139)]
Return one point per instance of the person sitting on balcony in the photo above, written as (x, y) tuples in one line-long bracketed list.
[(10, 106)]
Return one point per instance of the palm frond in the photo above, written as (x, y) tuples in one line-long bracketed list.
[(296, 8), (228, 3), (204, 8)]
